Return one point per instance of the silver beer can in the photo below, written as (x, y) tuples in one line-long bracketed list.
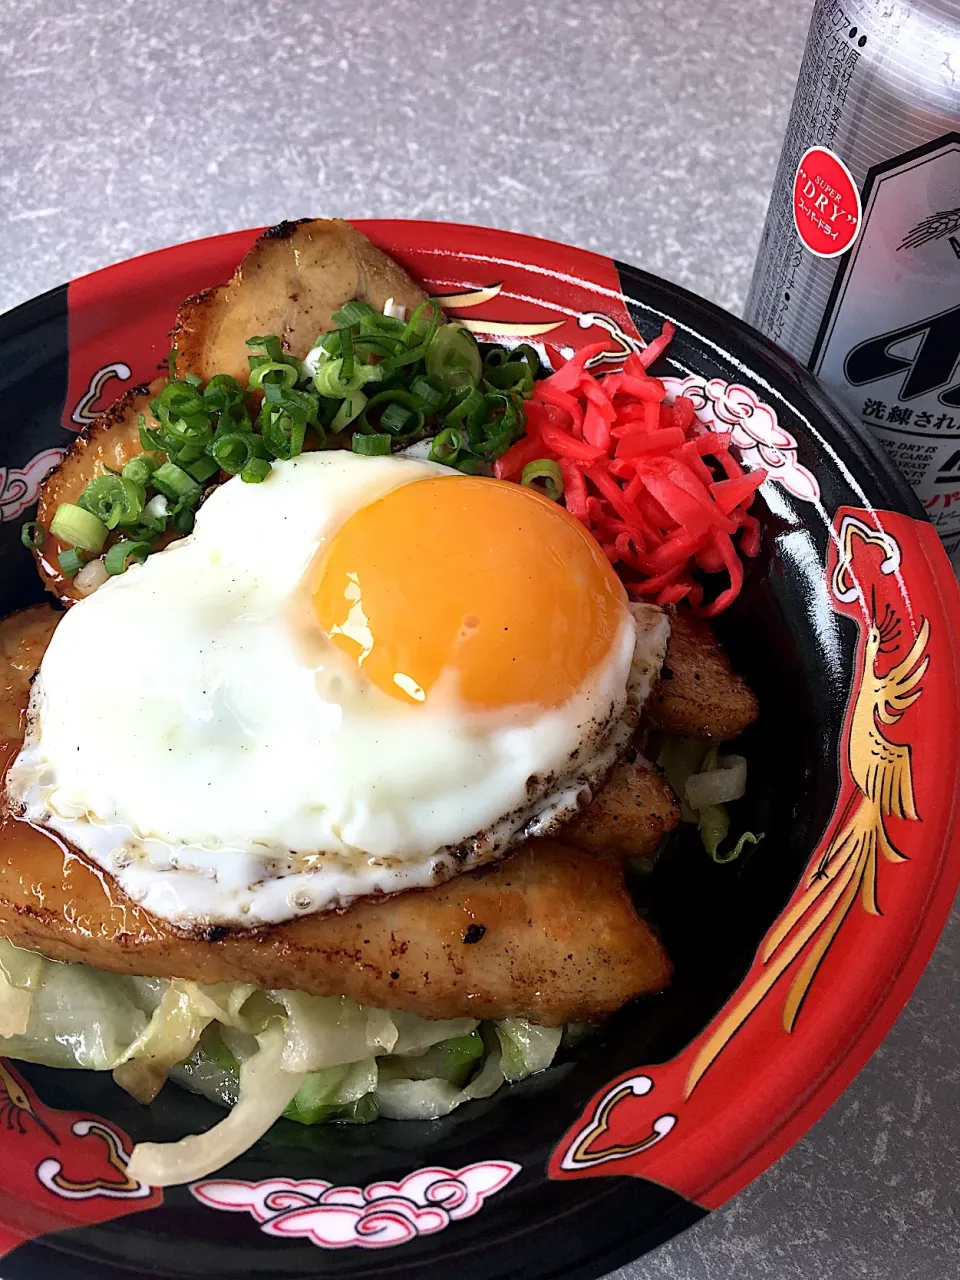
[(858, 273)]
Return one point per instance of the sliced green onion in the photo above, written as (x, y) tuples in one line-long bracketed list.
[(141, 468), (122, 553), (469, 411), (226, 397), (469, 465), (268, 343), (371, 446), (454, 357), (148, 437), (71, 561), (144, 532), (544, 469), (182, 413), (512, 375), (351, 408), (184, 518), (330, 343), (203, 469), (233, 452), (429, 393), (352, 312), (395, 411), (153, 519), (223, 384), (32, 535), (347, 336), (78, 528), (256, 470), (400, 419), (446, 446), (273, 371), (186, 453), (114, 500), (390, 327), (419, 330), (530, 358), (330, 381), (504, 424), (283, 434), (172, 363), (175, 483)]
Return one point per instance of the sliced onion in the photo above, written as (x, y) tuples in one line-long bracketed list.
[(717, 786), (394, 310), (90, 577), (265, 1090)]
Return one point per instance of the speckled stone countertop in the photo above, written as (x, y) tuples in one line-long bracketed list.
[(646, 129)]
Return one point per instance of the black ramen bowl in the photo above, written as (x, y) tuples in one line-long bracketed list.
[(786, 978)]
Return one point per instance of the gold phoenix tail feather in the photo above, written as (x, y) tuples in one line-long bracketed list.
[(883, 775)]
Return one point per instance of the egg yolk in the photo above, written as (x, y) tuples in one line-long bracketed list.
[(478, 578)]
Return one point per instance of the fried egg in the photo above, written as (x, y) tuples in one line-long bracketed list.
[(361, 676)]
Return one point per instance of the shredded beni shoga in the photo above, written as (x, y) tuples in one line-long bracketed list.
[(636, 471)]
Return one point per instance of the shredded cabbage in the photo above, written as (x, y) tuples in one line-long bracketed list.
[(525, 1047), (705, 782), (262, 1054), (328, 1031), (80, 1017), (412, 1099), (725, 781)]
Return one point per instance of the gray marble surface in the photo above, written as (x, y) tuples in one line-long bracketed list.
[(648, 130)]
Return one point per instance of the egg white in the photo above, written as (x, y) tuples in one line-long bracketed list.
[(194, 734)]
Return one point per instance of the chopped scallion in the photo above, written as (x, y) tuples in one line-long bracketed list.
[(256, 470), (352, 313), (78, 528), (140, 469), (543, 470), (148, 437), (454, 357), (446, 446), (274, 372), (395, 411), (233, 451), (175, 483), (184, 518), (121, 554), (114, 500), (370, 446), (71, 562), (32, 535), (203, 469)]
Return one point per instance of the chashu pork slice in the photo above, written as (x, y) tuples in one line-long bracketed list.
[(106, 444), (629, 815), (699, 695), (550, 934), (290, 283), (24, 637)]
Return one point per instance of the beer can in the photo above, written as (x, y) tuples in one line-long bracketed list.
[(858, 273)]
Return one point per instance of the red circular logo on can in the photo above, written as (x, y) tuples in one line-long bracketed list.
[(826, 203)]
